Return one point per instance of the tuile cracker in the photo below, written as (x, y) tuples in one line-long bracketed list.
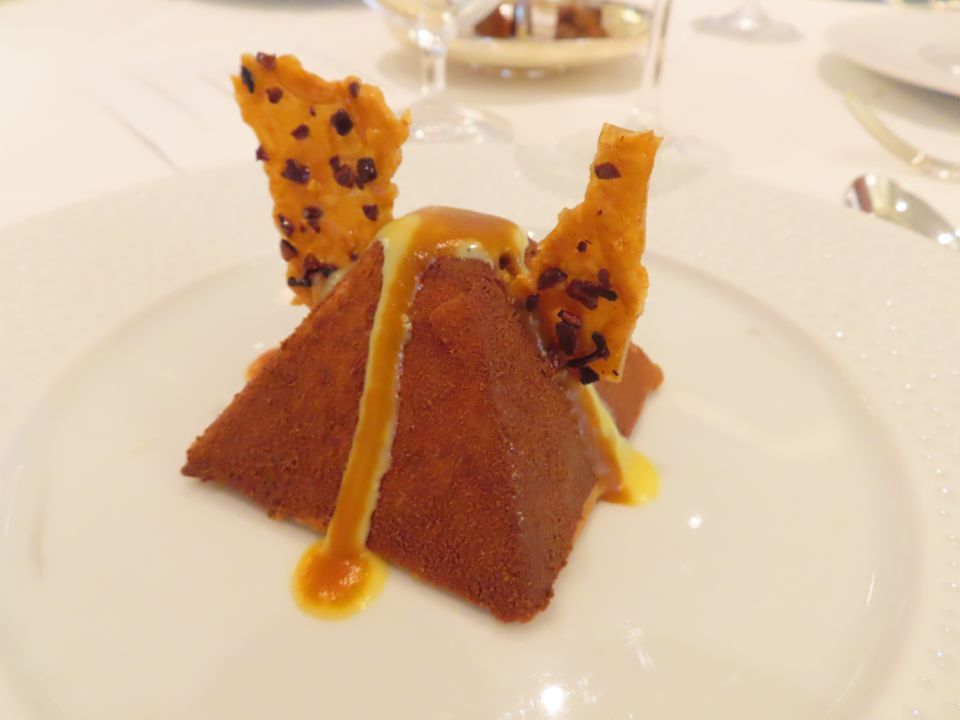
[(330, 150), (586, 283)]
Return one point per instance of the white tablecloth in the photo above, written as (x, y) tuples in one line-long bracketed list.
[(102, 94)]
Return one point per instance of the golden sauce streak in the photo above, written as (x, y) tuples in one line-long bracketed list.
[(624, 475), (338, 575)]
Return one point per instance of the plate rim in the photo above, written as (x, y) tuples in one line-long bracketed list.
[(838, 33)]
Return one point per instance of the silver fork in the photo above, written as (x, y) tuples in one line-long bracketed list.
[(937, 167)]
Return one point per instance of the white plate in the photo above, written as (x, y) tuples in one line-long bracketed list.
[(627, 28), (916, 46), (803, 560)]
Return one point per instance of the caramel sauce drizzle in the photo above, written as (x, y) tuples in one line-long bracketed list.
[(339, 575), (624, 475)]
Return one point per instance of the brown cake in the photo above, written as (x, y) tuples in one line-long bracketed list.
[(625, 399), (490, 472)]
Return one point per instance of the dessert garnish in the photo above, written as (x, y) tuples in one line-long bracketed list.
[(438, 408), (542, 20), (330, 150)]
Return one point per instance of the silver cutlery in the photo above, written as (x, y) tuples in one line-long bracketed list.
[(937, 167), (887, 199)]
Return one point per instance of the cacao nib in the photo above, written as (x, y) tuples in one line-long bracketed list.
[(287, 251), (588, 375), (344, 176), (296, 172), (566, 337), (246, 77), (600, 352), (606, 171), (579, 291), (570, 317), (311, 265), (341, 122), (366, 170), (550, 277), (587, 292)]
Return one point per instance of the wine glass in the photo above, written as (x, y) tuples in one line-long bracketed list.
[(646, 114), (748, 22), (431, 25), (557, 167)]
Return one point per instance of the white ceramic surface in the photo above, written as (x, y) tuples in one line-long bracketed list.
[(919, 47), (802, 561)]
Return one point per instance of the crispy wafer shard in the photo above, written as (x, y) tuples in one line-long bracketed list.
[(586, 282), (330, 150)]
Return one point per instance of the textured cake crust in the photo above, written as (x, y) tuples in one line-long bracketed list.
[(490, 476)]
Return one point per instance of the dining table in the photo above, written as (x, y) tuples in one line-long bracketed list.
[(103, 95)]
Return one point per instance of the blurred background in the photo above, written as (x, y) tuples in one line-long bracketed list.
[(803, 94)]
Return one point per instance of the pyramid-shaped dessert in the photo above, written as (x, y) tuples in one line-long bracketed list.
[(490, 473), (436, 407)]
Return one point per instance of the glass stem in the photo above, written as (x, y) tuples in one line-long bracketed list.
[(435, 30), (648, 105)]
